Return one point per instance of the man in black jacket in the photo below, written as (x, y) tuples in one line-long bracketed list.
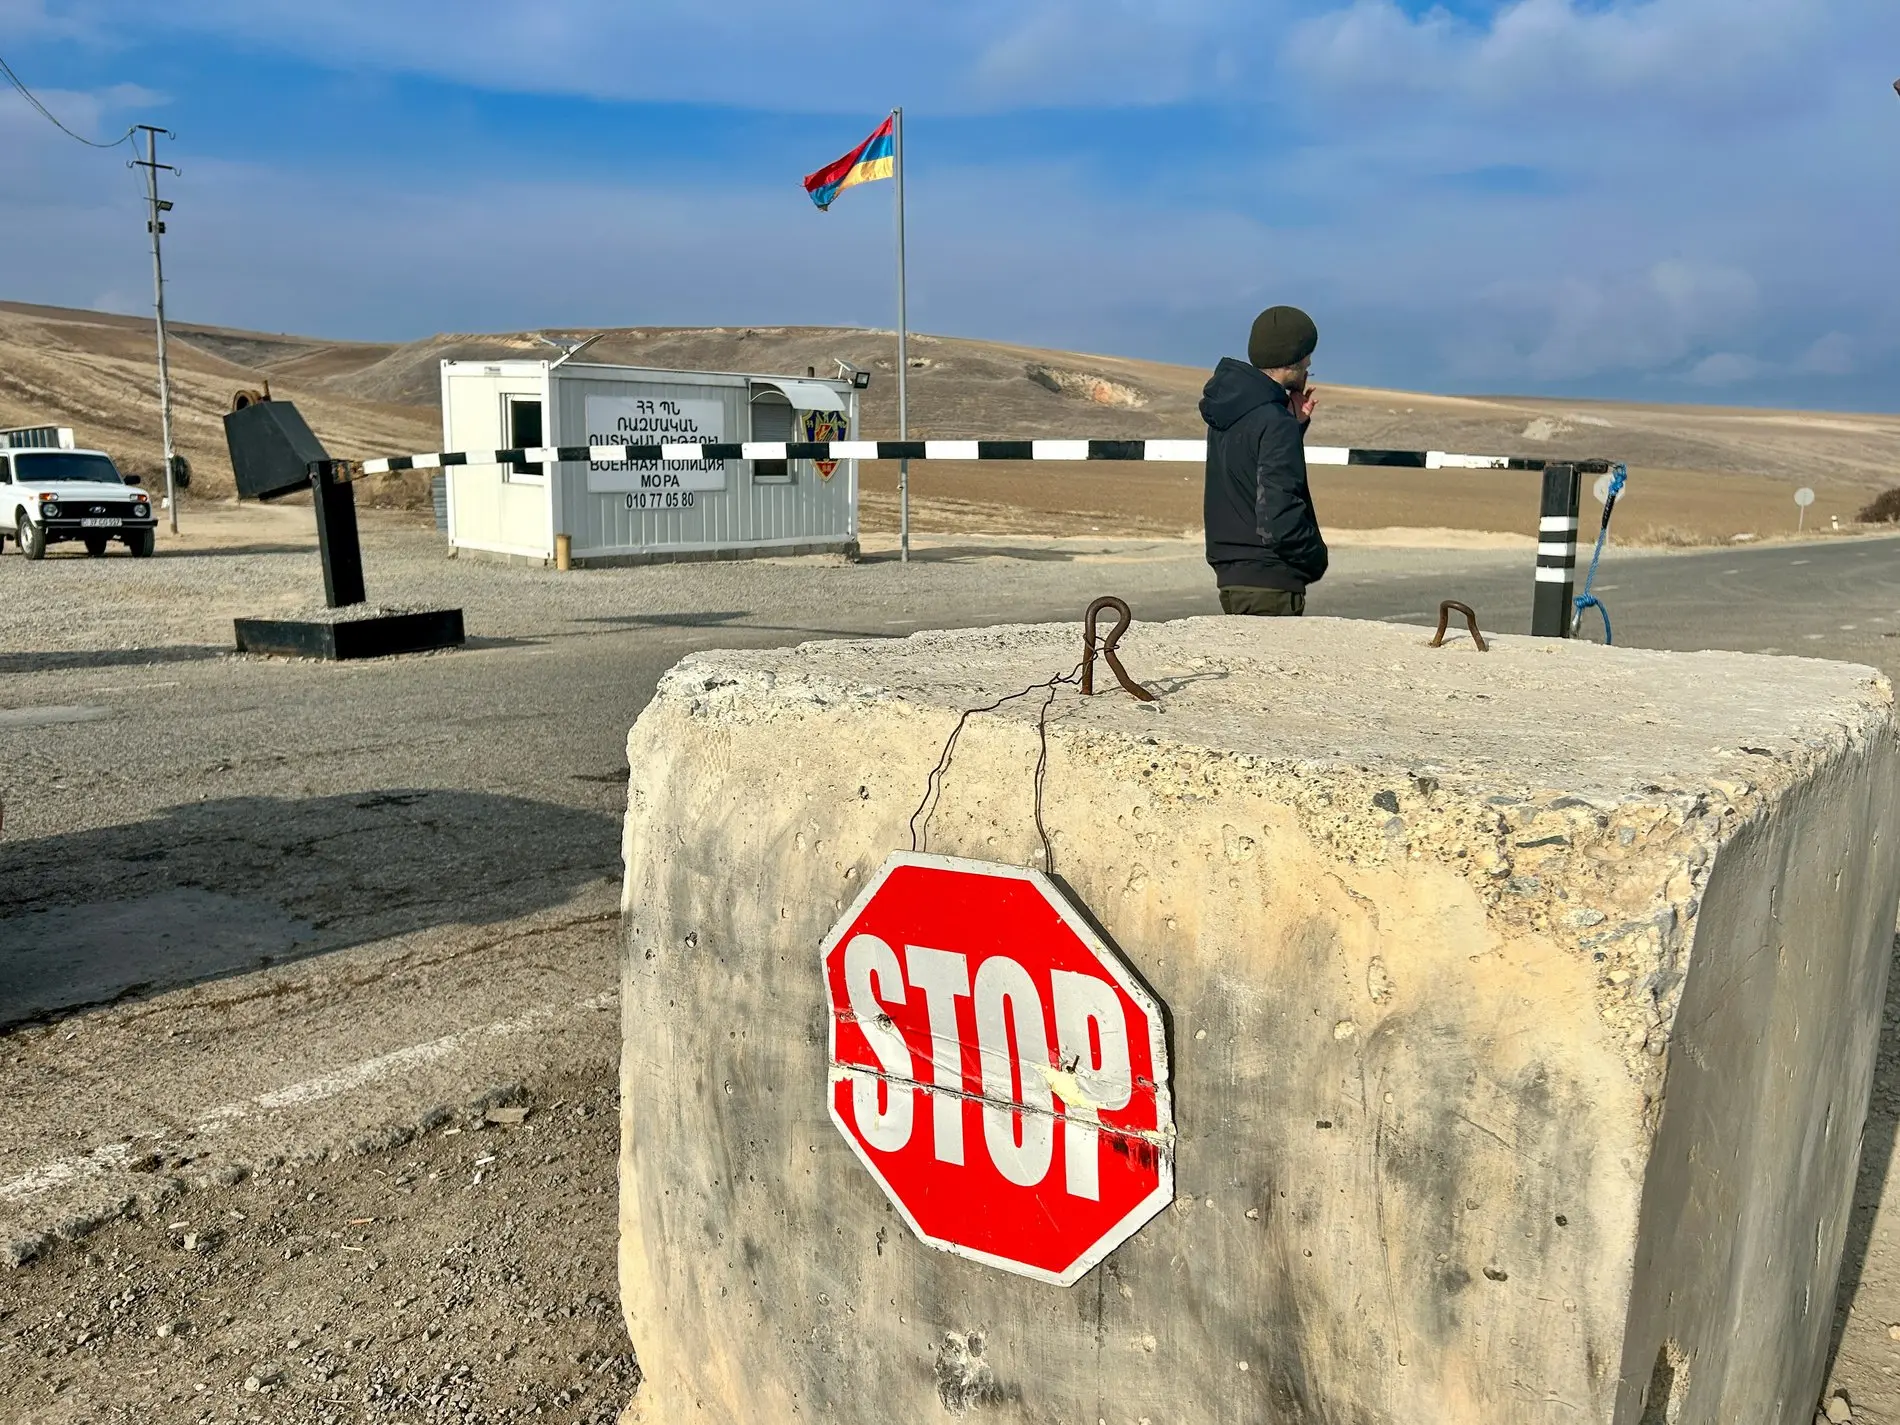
[(1263, 538)]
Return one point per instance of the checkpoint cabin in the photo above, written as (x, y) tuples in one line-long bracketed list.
[(649, 511)]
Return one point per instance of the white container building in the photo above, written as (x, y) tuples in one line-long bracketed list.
[(620, 513)]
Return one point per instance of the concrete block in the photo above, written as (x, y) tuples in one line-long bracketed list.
[(1523, 1017)]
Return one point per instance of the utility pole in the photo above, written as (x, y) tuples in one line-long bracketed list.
[(155, 224)]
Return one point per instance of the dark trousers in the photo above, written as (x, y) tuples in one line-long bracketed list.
[(1269, 603)]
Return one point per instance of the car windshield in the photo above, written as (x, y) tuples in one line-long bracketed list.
[(42, 467)]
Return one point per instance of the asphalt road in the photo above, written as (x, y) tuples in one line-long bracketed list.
[(176, 816), (1818, 599), (303, 905), (253, 910)]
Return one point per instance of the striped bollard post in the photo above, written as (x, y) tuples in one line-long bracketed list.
[(1556, 553)]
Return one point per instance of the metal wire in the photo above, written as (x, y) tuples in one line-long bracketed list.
[(50, 117), (933, 784)]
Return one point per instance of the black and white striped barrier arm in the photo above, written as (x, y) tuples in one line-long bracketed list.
[(1556, 525), (1175, 451)]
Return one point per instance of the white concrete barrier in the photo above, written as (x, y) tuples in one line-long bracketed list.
[(1519, 1016)]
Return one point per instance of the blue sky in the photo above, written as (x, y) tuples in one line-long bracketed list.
[(1676, 200)]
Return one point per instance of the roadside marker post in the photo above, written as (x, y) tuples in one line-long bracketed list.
[(1556, 553)]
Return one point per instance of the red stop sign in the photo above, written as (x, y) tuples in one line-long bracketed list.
[(997, 1067)]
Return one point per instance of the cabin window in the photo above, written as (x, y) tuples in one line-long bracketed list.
[(521, 430), (771, 420)]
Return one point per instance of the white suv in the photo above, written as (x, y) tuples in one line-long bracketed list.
[(50, 495)]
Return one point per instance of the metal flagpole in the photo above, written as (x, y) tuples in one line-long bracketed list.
[(903, 346)]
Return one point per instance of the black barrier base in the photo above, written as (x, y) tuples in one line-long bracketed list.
[(380, 636)]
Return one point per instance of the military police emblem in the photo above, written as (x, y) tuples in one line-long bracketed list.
[(821, 427)]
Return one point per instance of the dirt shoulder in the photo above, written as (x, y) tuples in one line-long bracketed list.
[(464, 1273)]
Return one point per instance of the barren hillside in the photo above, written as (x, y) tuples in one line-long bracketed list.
[(96, 372), (962, 388), (1732, 467)]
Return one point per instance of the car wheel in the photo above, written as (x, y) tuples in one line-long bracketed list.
[(32, 538), (96, 545), (141, 543)]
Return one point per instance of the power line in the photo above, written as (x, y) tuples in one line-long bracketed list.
[(47, 114)]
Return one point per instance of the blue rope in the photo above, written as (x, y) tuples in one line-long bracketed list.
[(1588, 600)]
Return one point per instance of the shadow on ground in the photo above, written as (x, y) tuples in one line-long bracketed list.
[(963, 553), (478, 641), (106, 658), (232, 551), (1876, 1156), (733, 619), (69, 550), (222, 888), (682, 620)]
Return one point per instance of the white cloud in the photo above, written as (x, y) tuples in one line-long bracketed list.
[(1562, 57), (1725, 368), (1566, 328), (949, 55), (28, 20), (1551, 63), (114, 300), (1703, 297), (1698, 183), (1835, 354), (1119, 52), (979, 54), (1710, 181), (100, 115)]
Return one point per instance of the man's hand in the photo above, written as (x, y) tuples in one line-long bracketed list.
[(1302, 403)]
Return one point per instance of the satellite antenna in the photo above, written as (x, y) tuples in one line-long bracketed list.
[(568, 353)]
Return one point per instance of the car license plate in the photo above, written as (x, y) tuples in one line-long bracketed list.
[(100, 524)]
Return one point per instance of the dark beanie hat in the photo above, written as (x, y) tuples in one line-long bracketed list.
[(1282, 336)]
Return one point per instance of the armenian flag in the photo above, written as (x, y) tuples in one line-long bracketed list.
[(873, 159)]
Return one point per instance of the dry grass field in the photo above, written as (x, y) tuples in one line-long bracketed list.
[(1698, 474)]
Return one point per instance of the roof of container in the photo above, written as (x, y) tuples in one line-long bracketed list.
[(609, 370), (807, 393)]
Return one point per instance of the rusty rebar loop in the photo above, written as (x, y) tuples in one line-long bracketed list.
[(1123, 618), (1049, 687), (1471, 622)]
